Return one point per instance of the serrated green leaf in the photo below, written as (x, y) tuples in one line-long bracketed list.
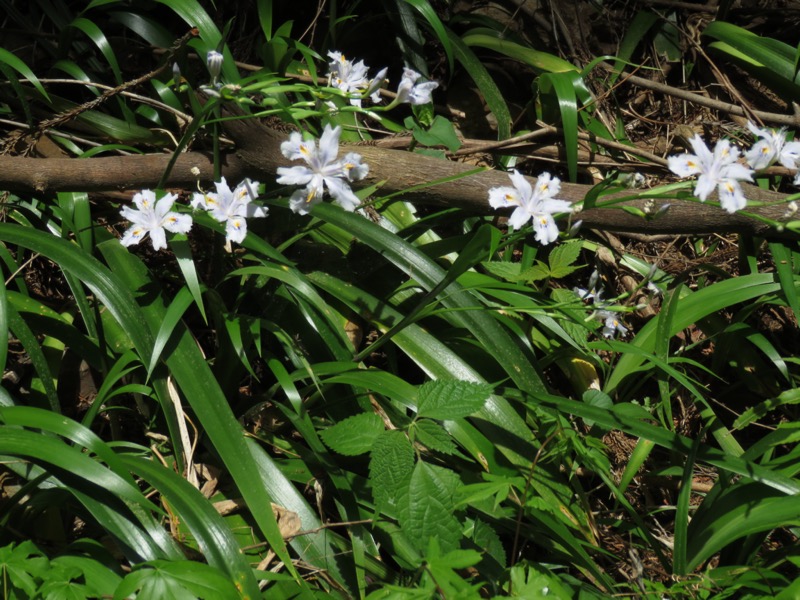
[(564, 255), (558, 272), (177, 579), (505, 270), (535, 582), (449, 399), (390, 466), (537, 272), (434, 436), (101, 580), (355, 435), (426, 509), (457, 559), (19, 564), (486, 538)]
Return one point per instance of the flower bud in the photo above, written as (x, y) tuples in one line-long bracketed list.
[(214, 62)]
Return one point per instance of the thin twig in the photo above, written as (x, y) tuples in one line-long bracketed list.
[(611, 144), (767, 117), (70, 114), (141, 99)]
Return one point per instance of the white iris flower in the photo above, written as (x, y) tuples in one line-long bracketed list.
[(536, 203), (231, 207), (153, 217), (323, 171), (716, 169), (611, 324), (771, 147), (348, 76), (412, 92)]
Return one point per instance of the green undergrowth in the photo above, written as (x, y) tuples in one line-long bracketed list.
[(403, 401)]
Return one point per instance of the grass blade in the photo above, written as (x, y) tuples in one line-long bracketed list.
[(212, 534)]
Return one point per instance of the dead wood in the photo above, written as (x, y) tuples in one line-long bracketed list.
[(420, 179)]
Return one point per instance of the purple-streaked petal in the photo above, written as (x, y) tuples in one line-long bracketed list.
[(724, 153), (547, 186), (133, 235), (205, 201), (760, 155), (790, 155), (545, 228), (236, 229), (684, 165), (501, 197), (352, 167), (731, 197), (302, 200), (177, 223), (145, 200)]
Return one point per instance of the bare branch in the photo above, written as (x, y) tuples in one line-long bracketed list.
[(414, 177)]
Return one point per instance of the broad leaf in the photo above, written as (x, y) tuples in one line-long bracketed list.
[(448, 399), (426, 509), (390, 467), (355, 435)]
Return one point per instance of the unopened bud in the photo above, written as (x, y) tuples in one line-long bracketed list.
[(214, 62), (593, 279), (575, 227), (662, 210), (176, 73)]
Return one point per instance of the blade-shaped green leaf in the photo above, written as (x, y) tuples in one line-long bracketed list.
[(207, 526)]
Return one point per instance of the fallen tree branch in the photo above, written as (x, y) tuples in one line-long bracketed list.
[(414, 177)]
